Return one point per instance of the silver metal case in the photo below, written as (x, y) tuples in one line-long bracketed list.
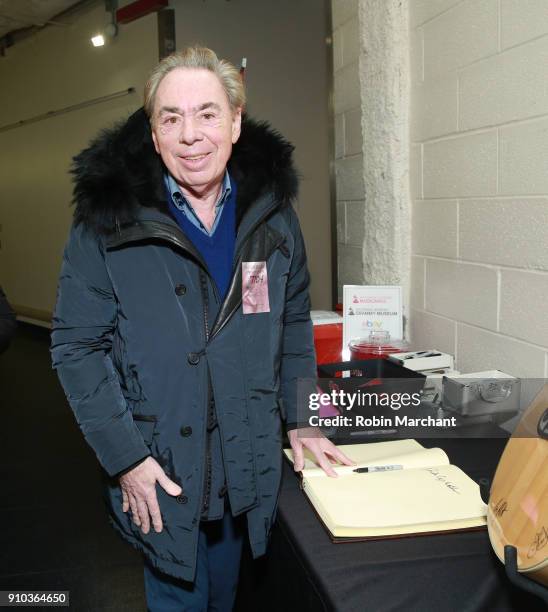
[(482, 394)]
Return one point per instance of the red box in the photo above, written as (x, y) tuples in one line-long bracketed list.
[(328, 331)]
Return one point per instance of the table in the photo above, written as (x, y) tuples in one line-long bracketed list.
[(305, 571)]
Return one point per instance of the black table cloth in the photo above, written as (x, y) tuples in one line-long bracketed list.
[(305, 571)]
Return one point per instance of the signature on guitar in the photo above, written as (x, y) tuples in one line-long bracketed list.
[(540, 541), (500, 507)]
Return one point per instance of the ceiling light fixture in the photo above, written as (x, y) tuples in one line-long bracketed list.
[(98, 41), (111, 29)]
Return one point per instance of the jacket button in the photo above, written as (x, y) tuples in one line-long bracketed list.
[(186, 431), (193, 358), (181, 499), (222, 491), (180, 289)]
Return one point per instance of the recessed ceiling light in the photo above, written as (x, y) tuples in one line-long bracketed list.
[(98, 41)]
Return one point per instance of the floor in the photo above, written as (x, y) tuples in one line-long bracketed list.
[(55, 534)]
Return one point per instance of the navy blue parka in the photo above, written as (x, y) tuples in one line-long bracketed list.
[(140, 338)]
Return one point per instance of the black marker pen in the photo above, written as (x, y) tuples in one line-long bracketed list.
[(378, 468)]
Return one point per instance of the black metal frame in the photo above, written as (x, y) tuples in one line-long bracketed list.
[(518, 579)]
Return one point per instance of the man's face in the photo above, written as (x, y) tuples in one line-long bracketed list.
[(194, 128)]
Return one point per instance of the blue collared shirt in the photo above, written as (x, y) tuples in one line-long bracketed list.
[(185, 207)]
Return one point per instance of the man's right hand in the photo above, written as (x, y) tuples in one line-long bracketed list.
[(139, 493)]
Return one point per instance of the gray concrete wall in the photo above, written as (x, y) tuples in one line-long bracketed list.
[(56, 68)]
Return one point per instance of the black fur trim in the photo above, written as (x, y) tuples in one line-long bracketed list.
[(120, 171)]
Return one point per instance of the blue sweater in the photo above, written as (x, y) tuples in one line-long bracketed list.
[(217, 249)]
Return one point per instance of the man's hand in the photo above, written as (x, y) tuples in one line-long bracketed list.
[(322, 448), (139, 493)]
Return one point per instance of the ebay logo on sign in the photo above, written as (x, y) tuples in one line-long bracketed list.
[(372, 324)]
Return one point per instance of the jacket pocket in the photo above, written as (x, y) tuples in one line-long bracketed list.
[(146, 424)]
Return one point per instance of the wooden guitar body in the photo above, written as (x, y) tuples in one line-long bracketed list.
[(517, 512)]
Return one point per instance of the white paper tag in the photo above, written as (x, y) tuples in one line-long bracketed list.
[(255, 287)]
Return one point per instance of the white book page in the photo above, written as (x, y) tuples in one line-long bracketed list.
[(374, 453), (397, 502)]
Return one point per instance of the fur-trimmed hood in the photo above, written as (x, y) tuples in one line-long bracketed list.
[(120, 172)]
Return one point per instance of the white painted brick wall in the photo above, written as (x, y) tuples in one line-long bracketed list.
[(524, 157), (355, 224), (523, 310), (347, 88), (350, 268), (341, 222), (337, 50), (349, 178), (417, 282), (339, 136), (479, 179), (478, 350), (432, 331), (461, 166), (434, 227), (435, 109), (342, 11), (350, 41), (522, 20), (464, 34), (353, 140), (465, 292), (416, 55), (509, 232), (424, 10), (415, 171), (506, 87)]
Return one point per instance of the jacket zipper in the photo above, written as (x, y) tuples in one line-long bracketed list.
[(206, 488), (205, 304)]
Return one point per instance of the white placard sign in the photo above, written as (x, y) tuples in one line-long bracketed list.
[(368, 308)]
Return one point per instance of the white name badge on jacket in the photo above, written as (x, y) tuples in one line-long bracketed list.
[(255, 287)]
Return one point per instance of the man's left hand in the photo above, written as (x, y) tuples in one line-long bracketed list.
[(322, 449)]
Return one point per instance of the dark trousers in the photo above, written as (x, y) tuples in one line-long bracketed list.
[(217, 568)]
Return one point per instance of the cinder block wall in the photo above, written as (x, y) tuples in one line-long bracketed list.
[(479, 180), (348, 143)]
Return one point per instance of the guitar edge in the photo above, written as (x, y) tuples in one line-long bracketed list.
[(517, 512)]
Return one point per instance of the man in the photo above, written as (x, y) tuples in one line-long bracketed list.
[(182, 326)]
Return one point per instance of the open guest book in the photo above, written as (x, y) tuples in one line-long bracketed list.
[(418, 492)]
